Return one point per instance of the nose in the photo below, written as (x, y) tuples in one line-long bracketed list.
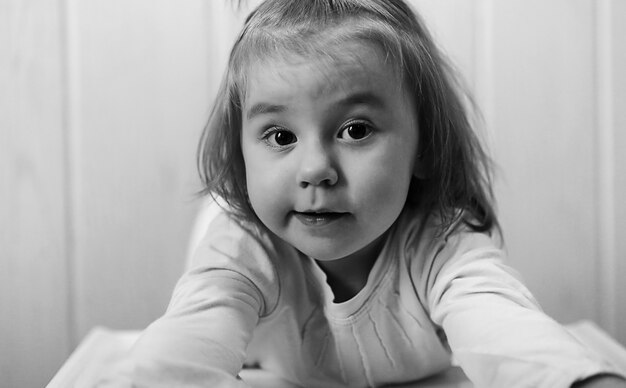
[(317, 168)]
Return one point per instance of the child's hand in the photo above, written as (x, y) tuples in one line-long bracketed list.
[(601, 381)]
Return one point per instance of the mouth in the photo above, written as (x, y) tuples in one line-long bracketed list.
[(318, 218)]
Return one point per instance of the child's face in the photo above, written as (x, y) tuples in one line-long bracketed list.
[(329, 148)]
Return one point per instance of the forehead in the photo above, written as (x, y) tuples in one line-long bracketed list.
[(351, 67)]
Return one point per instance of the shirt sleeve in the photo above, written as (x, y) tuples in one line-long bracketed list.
[(201, 340), (494, 327)]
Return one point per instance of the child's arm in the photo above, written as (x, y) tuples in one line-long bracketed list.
[(201, 341), (494, 327)]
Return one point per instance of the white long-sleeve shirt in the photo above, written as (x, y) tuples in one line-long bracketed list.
[(250, 298)]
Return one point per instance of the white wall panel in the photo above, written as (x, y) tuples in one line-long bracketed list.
[(139, 95), (618, 93), (451, 23), (34, 310), (543, 129)]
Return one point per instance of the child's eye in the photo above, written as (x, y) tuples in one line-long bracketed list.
[(277, 137), (355, 131)]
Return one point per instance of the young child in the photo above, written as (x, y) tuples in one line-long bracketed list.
[(358, 244)]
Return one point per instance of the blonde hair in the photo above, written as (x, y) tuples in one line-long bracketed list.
[(457, 169)]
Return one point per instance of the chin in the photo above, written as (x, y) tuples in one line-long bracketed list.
[(326, 253)]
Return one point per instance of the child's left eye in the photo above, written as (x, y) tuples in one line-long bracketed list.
[(355, 131)]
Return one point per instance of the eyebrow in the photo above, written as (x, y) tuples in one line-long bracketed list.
[(363, 98), (359, 98), (264, 108)]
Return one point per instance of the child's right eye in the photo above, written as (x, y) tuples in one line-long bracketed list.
[(277, 137)]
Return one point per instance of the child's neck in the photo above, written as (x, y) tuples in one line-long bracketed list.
[(347, 276)]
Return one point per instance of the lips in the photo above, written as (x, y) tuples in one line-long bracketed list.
[(318, 218)]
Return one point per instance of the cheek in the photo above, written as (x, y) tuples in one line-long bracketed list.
[(387, 182), (389, 190), (266, 190), (395, 161), (260, 201), (255, 184)]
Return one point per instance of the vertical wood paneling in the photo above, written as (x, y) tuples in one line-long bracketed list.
[(140, 100), (33, 268), (543, 128), (605, 165), (225, 20), (483, 85), (618, 66)]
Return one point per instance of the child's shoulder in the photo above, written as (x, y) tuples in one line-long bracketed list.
[(222, 231), (433, 255), (236, 249), (420, 236)]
